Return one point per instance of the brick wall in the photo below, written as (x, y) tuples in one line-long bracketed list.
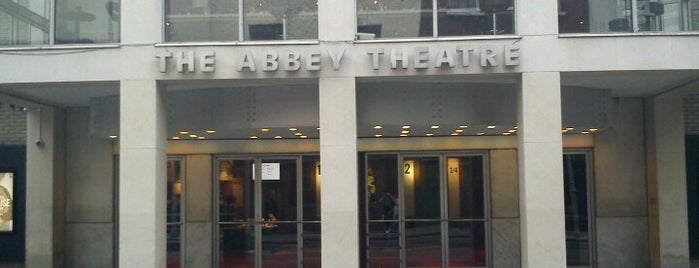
[(691, 115), (13, 126)]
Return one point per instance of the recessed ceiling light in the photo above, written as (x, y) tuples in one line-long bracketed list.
[(192, 135), (585, 132), (378, 135), (318, 128), (515, 127), (264, 129), (184, 132), (303, 136), (565, 130), (594, 129), (459, 130), (491, 126), (175, 138), (201, 137), (429, 134), (463, 126), (480, 133), (455, 134), (506, 133), (277, 137), (298, 134), (406, 127), (293, 129), (378, 127), (113, 136), (403, 135), (434, 126), (570, 128), (405, 131), (211, 131), (512, 130), (254, 137)]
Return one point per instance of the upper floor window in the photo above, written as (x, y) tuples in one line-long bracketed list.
[(240, 20), (28, 22), (599, 16), (379, 19)]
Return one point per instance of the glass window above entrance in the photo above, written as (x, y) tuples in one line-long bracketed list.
[(379, 19), (603, 16), (243, 20)]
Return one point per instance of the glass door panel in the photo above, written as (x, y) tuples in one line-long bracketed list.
[(382, 229), (311, 245), (575, 185), (423, 211), (279, 213), (175, 181), (466, 211), (236, 213), (311, 175)]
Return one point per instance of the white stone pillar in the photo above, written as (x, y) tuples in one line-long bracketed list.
[(141, 22), (337, 20), (667, 185), (338, 158), (142, 178), (540, 158), (45, 213), (536, 17)]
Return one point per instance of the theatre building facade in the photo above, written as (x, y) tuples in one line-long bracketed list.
[(336, 133)]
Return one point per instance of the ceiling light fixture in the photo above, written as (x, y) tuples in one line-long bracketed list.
[(434, 126), (264, 129), (293, 129), (184, 132), (211, 131), (254, 137), (480, 133), (378, 127), (113, 136), (277, 137), (463, 126), (491, 126), (406, 127)]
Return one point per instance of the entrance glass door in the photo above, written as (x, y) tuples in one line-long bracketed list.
[(268, 212), (425, 211)]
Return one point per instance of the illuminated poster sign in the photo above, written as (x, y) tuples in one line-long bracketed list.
[(6, 203), (270, 171)]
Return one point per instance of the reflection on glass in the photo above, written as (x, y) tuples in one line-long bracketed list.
[(595, 16), (311, 188), (382, 187), (281, 19), (87, 21), (423, 244), (236, 213), (174, 194), (394, 18), (279, 245), (466, 244), (24, 22), (465, 187), (576, 210), (311, 245), (237, 245)]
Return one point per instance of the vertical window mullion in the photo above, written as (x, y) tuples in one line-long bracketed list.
[(634, 16), (435, 27), (241, 21)]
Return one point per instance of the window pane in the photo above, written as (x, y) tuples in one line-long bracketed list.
[(236, 191), (382, 187), (421, 188), (279, 245), (24, 22), (201, 20), (394, 18), (173, 246), (576, 210), (475, 17), (465, 187), (311, 188), (423, 244), (174, 203), (279, 194), (466, 244), (596, 16), (281, 19), (87, 21)]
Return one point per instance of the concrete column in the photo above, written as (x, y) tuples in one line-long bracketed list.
[(536, 17), (667, 182), (142, 22), (337, 20), (45, 187), (142, 175), (338, 157), (540, 159)]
